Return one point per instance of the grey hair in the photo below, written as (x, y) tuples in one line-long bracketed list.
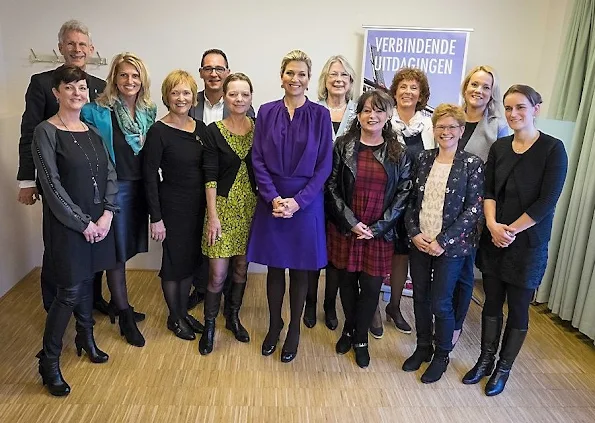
[(322, 91), (73, 25)]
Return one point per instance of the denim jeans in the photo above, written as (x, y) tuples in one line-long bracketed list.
[(434, 281), (464, 290)]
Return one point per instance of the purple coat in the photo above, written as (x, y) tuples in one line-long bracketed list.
[(291, 158)]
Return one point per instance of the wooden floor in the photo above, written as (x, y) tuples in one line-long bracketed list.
[(553, 379)]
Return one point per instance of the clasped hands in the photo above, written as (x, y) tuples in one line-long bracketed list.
[(427, 245), (284, 207), (97, 231), (502, 235)]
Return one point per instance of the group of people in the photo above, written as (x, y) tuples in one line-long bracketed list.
[(364, 188)]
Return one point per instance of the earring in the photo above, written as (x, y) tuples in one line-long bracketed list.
[(387, 125), (357, 124)]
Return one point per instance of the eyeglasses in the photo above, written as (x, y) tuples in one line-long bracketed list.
[(443, 128), (337, 75), (210, 69)]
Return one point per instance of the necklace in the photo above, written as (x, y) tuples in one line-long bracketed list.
[(524, 147), (96, 199), (338, 109)]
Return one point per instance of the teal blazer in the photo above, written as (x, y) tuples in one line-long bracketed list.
[(101, 118)]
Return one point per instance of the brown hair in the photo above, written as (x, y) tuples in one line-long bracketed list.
[(238, 76), (533, 96), (406, 74)]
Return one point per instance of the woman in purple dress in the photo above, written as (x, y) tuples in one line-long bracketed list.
[(292, 158)]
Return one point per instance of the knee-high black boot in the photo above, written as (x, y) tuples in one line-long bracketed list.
[(511, 346), (491, 327), (207, 339), (233, 319)]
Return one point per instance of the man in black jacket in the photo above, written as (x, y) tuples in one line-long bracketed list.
[(74, 43)]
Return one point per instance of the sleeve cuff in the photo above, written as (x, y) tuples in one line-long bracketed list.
[(27, 184), (211, 184)]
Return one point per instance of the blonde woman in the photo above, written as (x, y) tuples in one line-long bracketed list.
[(123, 114)]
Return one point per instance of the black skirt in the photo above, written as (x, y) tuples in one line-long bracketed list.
[(131, 224)]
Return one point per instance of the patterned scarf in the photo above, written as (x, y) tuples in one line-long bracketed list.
[(416, 125), (135, 131)]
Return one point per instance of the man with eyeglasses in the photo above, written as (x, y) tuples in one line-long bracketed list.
[(210, 107), (213, 70)]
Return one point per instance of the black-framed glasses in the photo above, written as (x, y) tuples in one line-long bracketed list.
[(210, 69), (443, 128)]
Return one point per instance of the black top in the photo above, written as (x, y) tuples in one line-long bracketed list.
[(336, 126), (415, 145), (41, 104), (221, 163), (538, 175), (469, 129), (179, 155), (128, 165)]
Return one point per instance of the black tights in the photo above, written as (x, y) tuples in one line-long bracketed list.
[(176, 296), (116, 282), (298, 288), (330, 289), (219, 267), (359, 296), (518, 299)]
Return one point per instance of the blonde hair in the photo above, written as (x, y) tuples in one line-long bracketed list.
[(110, 94), (174, 78), (73, 25), (296, 56), (322, 90), (494, 104), (449, 110)]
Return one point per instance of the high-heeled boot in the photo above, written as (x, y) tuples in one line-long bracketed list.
[(233, 319), (84, 340), (491, 327), (51, 376), (512, 341), (207, 339), (129, 329), (113, 312)]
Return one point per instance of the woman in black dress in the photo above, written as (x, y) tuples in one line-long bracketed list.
[(525, 174), (79, 190), (177, 199)]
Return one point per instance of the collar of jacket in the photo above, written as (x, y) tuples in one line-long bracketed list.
[(352, 145)]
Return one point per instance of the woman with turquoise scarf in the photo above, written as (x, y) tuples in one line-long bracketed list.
[(123, 114)]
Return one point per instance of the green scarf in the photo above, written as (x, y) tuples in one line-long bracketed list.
[(135, 131)]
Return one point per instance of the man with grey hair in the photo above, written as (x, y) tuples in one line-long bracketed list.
[(74, 43)]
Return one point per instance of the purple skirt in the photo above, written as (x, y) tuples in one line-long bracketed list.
[(296, 243)]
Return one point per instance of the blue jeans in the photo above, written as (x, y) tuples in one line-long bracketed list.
[(434, 281), (464, 291)]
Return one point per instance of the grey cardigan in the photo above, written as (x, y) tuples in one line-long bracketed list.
[(488, 130), (66, 211), (348, 117)]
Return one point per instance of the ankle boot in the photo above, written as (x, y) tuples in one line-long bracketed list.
[(207, 339), (511, 346), (422, 353), (84, 340), (436, 368), (51, 376), (129, 329), (113, 312), (233, 319), (491, 327)]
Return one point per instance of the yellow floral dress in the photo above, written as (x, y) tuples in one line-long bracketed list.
[(236, 211)]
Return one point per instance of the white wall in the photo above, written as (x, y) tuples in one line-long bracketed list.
[(521, 39)]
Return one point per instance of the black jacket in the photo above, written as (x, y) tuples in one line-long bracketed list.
[(341, 183), (41, 104)]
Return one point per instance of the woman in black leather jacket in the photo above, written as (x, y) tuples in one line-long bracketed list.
[(366, 193)]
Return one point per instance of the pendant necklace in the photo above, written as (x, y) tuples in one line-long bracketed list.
[(96, 199)]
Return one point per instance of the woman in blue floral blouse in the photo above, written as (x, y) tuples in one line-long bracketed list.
[(442, 221)]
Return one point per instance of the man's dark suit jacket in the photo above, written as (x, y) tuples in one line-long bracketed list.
[(41, 104), (197, 112)]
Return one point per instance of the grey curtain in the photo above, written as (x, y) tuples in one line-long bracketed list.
[(569, 283)]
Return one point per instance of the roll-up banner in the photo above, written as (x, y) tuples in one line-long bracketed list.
[(440, 53)]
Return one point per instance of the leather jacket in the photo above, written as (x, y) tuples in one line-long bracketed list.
[(341, 183)]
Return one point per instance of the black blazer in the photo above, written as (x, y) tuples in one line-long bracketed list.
[(41, 104), (197, 111), (341, 183), (221, 164), (539, 175)]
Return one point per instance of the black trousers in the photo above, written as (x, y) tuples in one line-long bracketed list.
[(518, 299), (359, 293), (77, 299)]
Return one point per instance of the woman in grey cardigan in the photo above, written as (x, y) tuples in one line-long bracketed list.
[(335, 92), (484, 125)]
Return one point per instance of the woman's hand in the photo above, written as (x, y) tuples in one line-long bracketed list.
[(104, 224), (285, 207), (158, 231), (91, 232), (421, 242), (434, 249), (362, 231), (213, 230), (502, 235)]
